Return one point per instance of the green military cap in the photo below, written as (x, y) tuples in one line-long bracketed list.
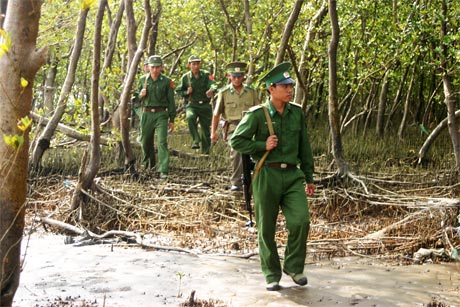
[(155, 60), (278, 75), (194, 58), (236, 69)]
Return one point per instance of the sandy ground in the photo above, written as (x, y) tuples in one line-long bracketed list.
[(114, 276)]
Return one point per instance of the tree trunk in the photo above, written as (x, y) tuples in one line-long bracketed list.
[(50, 85), (3, 5), (45, 138), (430, 105), (90, 170), (288, 30), (155, 24), (131, 30), (301, 94), (21, 62), (70, 132), (103, 99), (369, 108), (448, 91), (128, 83), (421, 98), (109, 52), (432, 137), (397, 98), (402, 125), (382, 104), (232, 28), (249, 32), (334, 121), (395, 12)]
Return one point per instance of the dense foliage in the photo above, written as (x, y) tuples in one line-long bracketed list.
[(390, 51)]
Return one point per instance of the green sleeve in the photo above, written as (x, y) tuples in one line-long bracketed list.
[(243, 139)]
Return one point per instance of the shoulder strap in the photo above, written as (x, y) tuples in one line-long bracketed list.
[(271, 130), (189, 83), (144, 87), (269, 121), (145, 81)]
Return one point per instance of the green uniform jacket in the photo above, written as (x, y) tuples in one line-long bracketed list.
[(232, 105), (160, 93), (200, 85), (291, 130)]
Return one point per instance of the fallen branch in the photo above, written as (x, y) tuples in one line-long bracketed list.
[(379, 234), (86, 234), (70, 132), (75, 134), (430, 205)]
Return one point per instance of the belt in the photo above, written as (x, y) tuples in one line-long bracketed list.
[(155, 109), (281, 165)]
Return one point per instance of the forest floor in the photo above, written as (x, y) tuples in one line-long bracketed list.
[(376, 239)]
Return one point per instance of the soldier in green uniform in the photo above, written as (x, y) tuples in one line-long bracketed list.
[(232, 101), (197, 87), (284, 179), (156, 92)]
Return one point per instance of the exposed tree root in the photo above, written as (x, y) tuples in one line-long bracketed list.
[(194, 212)]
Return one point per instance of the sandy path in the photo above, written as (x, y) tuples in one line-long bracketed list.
[(102, 275)]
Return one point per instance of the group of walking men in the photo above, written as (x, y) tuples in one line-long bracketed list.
[(197, 87), (273, 133)]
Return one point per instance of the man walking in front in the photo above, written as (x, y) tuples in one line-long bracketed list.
[(275, 135), (197, 87), (156, 92), (232, 101)]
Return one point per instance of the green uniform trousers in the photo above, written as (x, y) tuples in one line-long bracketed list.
[(284, 189), (151, 122), (200, 113)]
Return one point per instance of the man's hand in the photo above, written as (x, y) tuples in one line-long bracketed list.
[(272, 142), (214, 136), (310, 189), (171, 127)]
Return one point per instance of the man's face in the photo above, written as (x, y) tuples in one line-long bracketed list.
[(281, 92), (195, 66), (237, 81), (155, 71)]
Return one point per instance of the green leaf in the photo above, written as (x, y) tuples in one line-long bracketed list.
[(24, 82), (86, 4), (15, 141), (5, 42), (24, 123)]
